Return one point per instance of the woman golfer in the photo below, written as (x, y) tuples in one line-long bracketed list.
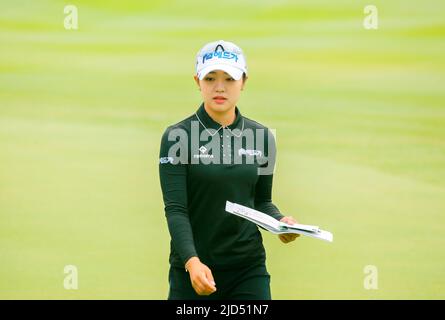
[(213, 156)]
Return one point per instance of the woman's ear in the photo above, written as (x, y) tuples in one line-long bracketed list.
[(197, 81), (244, 82)]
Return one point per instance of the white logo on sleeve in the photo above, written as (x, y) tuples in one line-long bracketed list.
[(166, 160)]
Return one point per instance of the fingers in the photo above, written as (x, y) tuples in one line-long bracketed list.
[(283, 239), (209, 277), (292, 220), (209, 281), (200, 286), (288, 237), (204, 283), (289, 220), (207, 285), (293, 236)]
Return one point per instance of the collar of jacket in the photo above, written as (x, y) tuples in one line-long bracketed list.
[(209, 123)]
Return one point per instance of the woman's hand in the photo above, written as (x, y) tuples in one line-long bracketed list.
[(200, 276), (288, 237)]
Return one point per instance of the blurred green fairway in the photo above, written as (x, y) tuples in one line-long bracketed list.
[(359, 116)]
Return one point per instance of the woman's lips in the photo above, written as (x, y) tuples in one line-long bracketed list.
[(219, 100)]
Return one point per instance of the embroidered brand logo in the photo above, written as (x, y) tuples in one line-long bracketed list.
[(166, 160), (220, 55), (203, 151), (249, 152)]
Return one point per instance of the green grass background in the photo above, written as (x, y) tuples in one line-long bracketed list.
[(359, 115)]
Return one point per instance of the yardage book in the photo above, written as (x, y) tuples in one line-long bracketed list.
[(275, 226)]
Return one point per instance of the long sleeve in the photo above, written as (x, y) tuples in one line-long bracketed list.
[(263, 188), (173, 178)]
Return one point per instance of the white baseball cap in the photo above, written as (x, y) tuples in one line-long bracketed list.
[(221, 55)]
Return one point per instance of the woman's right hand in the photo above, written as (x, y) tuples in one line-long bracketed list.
[(200, 276)]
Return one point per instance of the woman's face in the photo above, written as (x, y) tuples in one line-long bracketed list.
[(219, 90)]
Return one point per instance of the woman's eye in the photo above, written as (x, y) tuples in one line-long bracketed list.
[(230, 79), (208, 79)]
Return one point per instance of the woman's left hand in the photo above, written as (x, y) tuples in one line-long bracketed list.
[(288, 237)]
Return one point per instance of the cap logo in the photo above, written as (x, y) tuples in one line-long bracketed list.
[(219, 46), (220, 55)]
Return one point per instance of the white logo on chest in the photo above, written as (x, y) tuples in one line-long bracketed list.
[(203, 153), (249, 152)]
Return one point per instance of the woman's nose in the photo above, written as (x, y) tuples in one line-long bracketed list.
[(219, 86)]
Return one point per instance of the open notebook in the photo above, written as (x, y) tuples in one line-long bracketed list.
[(273, 225)]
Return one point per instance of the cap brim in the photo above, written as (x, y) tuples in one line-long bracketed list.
[(234, 72)]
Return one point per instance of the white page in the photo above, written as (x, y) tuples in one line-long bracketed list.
[(259, 217), (252, 215), (273, 225), (322, 234), (303, 227)]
